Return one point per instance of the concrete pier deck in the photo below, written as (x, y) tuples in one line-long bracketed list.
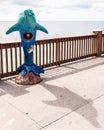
[(70, 97)]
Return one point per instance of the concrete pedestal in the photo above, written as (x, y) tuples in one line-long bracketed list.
[(30, 78)]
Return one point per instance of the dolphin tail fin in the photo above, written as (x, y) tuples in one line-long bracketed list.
[(41, 28), (15, 27)]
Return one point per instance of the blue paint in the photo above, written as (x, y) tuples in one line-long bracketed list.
[(27, 25)]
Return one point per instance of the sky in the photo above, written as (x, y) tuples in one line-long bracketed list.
[(54, 10)]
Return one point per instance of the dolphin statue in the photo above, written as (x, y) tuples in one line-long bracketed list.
[(27, 26)]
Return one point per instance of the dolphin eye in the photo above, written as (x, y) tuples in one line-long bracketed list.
[(28, 36)]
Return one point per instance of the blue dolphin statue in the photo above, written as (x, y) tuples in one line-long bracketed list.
[(27, 26)]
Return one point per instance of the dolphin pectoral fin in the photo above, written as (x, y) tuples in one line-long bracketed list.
[(41, 28), (15, 27)]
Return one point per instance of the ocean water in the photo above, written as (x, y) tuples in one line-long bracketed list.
[(55, 28)]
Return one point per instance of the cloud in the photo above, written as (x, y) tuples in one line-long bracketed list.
[(66, 3), (26, 2), (54, 9), (99, 6)]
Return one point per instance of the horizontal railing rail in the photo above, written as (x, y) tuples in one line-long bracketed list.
[(51, 52)]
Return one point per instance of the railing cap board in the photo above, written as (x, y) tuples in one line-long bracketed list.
[(46, 41)]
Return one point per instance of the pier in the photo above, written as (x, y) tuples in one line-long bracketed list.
[(71, 95)]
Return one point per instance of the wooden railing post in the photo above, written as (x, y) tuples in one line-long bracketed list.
[(0, 61), (99, 42), (57, 52)]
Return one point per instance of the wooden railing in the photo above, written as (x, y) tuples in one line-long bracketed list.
[(102, 48), (51, 52)]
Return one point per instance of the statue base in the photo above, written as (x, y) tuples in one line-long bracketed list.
[(28, 79)]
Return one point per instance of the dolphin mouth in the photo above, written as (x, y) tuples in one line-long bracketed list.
[(31, 49)]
